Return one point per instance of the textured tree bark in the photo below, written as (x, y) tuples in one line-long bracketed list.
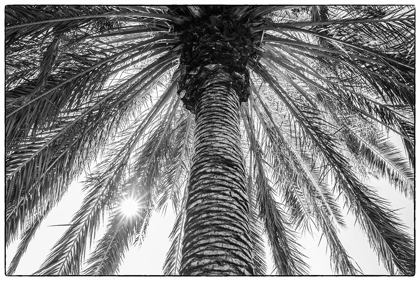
[(217, 239)]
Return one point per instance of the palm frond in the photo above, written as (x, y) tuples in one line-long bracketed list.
[(66, 17), (341, 262), (384, 159), (152, 161), (263, 10), (304, 182), (26, 239), (74, 121), (155, 151), (101, 187), (301, 171), (109, 252), (80, 84), (177, 167), (67, 255), (286, 254), (311, 199), (87, 79), (53, 148), (256, 230), (386, 233), (141, 233), (395, 119), (376, 219), (356, 45), (380, 224), (374, 69), (172, 262), (176, 191)]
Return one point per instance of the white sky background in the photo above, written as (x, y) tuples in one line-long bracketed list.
[(149, 258)]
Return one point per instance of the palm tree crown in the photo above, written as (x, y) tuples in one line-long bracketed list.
[(294, 103)]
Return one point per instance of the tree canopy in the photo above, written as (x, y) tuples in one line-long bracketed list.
[(111, 91)]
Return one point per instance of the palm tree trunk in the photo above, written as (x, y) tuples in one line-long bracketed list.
[(217, 235)]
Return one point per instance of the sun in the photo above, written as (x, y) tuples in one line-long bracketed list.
[(129, 207)]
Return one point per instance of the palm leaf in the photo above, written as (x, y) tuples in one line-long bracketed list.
[(379, 223), (26, 238), (78, 84), (286, 254), (256, 232), (172, 262), (101, 192), (384, 159), (316, 202), (303, 174), (177, 165), (71, 78), (46, 149), (109, 252)]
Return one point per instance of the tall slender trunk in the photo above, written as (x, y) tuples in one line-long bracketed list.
[(217, 236)]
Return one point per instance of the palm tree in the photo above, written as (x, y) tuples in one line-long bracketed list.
[(247, 119)]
